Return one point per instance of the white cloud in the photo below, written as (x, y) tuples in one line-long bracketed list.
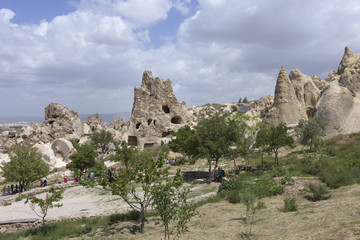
[(90, 59)]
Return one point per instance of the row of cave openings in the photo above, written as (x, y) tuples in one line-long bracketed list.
[(166, 109)]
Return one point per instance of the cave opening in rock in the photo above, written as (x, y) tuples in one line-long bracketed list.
[(165, 134), (166, 109), (138, 125), (154, 122), (176, 120), (132, 141), (149, 145), (149, 121)]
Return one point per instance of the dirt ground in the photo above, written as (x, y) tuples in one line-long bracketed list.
[(82, 202), (333, 219)]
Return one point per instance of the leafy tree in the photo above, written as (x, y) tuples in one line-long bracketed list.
[(245, 100), (83, 159), (311, 130), (170, 202), (135, 183), (50, 200), (102, 139), (240, 100), (244, 136), (186, 142), (216, 136), (25, 166), (272, 138)]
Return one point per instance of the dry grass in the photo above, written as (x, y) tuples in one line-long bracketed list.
[(335, 218)]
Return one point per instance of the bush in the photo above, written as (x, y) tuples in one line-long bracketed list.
[(290, 204), (318, 192), (121, 217), (279, 172), (335, 173), (287, 179)]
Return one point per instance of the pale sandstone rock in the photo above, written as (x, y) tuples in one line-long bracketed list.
[(95, 123), (286, 108), (348, 61), (63, 148), (306, 91), (155, 113), (116, 123)]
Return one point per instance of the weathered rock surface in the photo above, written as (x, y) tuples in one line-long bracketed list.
[(63, 148), (286, 107), (155, 113), (95, 123), (60, 122), (307, 93), (116, 123), (340, 103)]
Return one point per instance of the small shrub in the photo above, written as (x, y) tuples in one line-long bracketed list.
[(318, 192), (279, 172), (260, 205), (287, 179), (18, 199), (290, 204), (276, 189), (121, 217)]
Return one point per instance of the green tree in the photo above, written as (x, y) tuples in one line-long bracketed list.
[(311, 130), (25, 166), (186, 142), (101, 139), (244, 136), (83, 159), (240, 100), (272, 138), (216, 136), (135, 183), (51, 197), (245, 100), (170, 202)]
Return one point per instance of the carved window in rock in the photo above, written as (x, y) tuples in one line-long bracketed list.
[(154, 122), (149, 121), (149, 145), (132, 141), (166, 109), (137, 126), (176, 120)]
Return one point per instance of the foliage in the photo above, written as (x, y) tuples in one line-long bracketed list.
[(44, 204), (290, 204), (101, 139), (311, 130), (287, 179), (318, 192), (186, 142), (271, 139), (260, 186), (216, 136), (245, 100), (25, 166), (83, 159), (170, 202), (135, 183), (128, 216), (240, 100)]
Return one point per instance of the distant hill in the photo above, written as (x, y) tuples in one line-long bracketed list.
[(106, 117)]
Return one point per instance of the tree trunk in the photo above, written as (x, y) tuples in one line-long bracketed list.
[(142, 213), (276, 159), (262, 160)]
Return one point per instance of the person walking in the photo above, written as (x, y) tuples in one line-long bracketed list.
[(8, 190), (4, 190)]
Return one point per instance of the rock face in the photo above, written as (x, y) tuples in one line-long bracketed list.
[(286, 107), (116, 123), (340, 101), (95, 123), (155, 113), (60, 122)]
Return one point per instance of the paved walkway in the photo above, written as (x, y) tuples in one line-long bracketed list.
[(5, 197)]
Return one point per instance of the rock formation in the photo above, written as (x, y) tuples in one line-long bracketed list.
[(340, 101), (155, 113), (286, 107), (95, 123)]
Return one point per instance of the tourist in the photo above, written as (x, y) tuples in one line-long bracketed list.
[(16, 188), (4, 190), (59, 180), (8, 190), (92, 176), (75, 179), (65, 179), (12, 188), (45, 182), (41, 183)]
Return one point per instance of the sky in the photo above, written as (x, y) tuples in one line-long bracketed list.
[(88, 55)]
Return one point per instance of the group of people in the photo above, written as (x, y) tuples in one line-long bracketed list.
[(12, 189)]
